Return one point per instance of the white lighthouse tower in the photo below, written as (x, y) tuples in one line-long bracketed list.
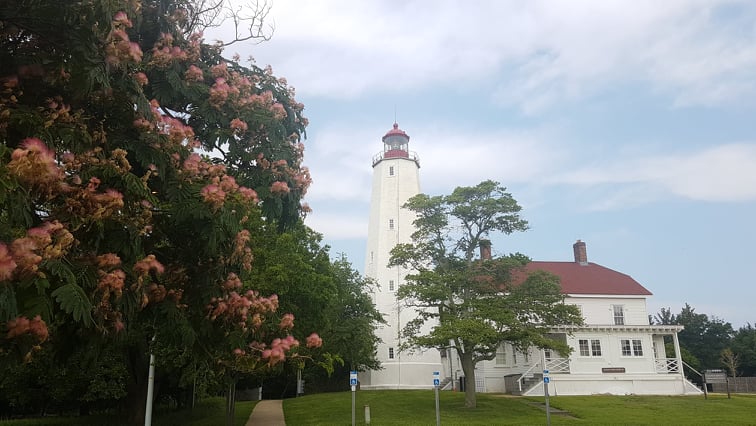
[(396, 178)]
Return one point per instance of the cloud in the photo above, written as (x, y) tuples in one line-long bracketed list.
[(536, 54), (339, 226), (724, 173), (340, 158)]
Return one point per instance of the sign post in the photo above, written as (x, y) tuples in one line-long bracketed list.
[(546, 381), (436, 385), (353, 384)]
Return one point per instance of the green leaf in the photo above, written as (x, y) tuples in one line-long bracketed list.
[(73, 300)]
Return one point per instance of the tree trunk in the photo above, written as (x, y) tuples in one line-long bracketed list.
[(468, 368)]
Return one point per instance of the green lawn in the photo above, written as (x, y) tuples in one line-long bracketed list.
[(418, 408), (208, 412)]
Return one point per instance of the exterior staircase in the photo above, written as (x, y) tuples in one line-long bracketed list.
[(528, 382)]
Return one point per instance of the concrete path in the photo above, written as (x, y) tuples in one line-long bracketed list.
[(267, 413)]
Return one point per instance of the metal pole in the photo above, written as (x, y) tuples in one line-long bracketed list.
[(438, 409), (150, 390), (353, 402)]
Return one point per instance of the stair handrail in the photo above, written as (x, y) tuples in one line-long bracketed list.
[(519, 379), (703, 378)]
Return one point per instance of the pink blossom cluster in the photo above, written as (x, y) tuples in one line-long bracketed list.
[(238, 126), (22, 325), (57, 111), (119, 49), (314, 341), (141, 78), (149, 263), (90, 203), (287, 322), (112, 278), (194, 74), (51, 240), (242, 252), (279, 187), (216, 192), (34, 164), (164, 52), (278, 349), (243, 310), (196, 166), (220, 91)]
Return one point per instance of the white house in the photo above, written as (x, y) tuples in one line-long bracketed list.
[(616, 352)]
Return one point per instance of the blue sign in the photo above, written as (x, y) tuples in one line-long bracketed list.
[(352, 378), (545, 371), (546, 380), (436, 382), (352, 382)]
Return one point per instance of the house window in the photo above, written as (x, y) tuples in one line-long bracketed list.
[(391, 285), (547, 353), (391, 353), (501, 355), (391, 170), (619, 314), (514, 357), (590, 347), (391, 223), (632, 347)]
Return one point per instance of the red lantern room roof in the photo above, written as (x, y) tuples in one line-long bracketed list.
[(396, 131)]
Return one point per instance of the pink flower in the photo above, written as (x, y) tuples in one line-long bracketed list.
[(248, 194), (279, 187), (7, 264), (141, 78), (213, 194), (287, 322), (314, 341), (194, 73), (238, 126), (121, 18), (147, 264)]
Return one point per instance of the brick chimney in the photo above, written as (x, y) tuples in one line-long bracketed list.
[(581, 256), (485, 249)]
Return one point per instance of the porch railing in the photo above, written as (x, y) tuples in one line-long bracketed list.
[(667, 365), (558, 365)]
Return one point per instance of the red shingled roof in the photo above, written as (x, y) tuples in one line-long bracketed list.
[(396, 131), (590, 278)]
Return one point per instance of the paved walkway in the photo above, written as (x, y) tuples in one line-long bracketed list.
[(267, 413)]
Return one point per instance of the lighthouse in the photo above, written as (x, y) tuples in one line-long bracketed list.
[(396, 178)]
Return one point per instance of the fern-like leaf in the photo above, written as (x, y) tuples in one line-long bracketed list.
[(74, 301)]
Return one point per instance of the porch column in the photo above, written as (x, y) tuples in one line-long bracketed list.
[(678, 356)]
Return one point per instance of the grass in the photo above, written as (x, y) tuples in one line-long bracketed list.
[(207, 412), (418, 408)]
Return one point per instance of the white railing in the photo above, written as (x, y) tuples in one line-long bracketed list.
[(558, 365), (528, 373), (667, 365)]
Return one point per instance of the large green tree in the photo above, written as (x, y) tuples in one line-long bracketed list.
[(469, 304), (744, 346), (703, 337), (113, 227)]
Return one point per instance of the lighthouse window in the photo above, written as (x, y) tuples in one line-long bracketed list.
[(391, 170), (391, 223), (391, 285), (391, 353)]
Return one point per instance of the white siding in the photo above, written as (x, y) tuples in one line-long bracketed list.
[(389, 192), (597, 310)]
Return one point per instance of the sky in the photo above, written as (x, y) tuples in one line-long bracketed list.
[(630, 125)]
